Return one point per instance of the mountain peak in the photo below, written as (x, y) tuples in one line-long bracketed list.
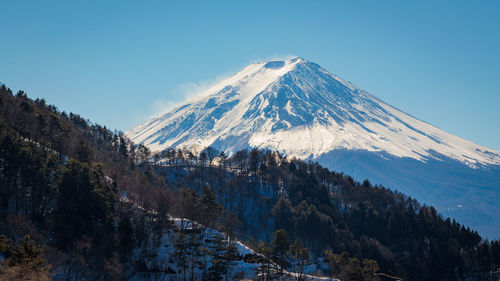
[(301, 110), (297, 107), (277, 64)]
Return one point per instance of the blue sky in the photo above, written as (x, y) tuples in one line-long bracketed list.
[(119, 62)]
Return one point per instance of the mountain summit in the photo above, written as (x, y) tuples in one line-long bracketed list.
[(300, 109)]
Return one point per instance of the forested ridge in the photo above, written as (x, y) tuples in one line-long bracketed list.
[(78, 198), (329, 210)]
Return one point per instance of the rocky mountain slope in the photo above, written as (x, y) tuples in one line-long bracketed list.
[(300, 109)]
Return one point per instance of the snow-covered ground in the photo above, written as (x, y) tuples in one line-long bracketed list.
[(157, 256)]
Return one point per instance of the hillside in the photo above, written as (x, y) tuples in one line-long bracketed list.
[(96, 207), (329, 210), (301, 110), (80, 202)]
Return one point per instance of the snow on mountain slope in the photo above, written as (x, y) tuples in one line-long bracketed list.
[(300, 109)]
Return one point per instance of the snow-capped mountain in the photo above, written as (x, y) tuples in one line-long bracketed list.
[(302, 110), (299, 108)]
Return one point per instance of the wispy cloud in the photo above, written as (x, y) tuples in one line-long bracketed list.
[(186, 91), (272, 57)]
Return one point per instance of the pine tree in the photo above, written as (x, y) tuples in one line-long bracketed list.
[(282, 212), (300, 256), (370, 268), (218, 267), (329, 258), (264, 249), (205, 253), (180, 253), (211, 208), (26, 261), (123, 148), (224, 256), (84, 152), (126, 234), (27, 252), (230, 257), (86, 203), (280, 246), (230, 224), (193, 243), (353, 271), (222, 160)]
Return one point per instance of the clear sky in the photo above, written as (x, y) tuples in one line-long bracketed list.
[(119, 62)]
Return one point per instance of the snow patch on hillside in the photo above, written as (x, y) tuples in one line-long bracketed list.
[(157, 258)]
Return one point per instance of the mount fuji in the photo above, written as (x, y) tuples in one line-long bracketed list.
[(300, 109)]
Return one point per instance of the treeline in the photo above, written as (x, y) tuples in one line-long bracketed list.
[(329, 210), (61, 183), (88, 198), (77, 199)]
